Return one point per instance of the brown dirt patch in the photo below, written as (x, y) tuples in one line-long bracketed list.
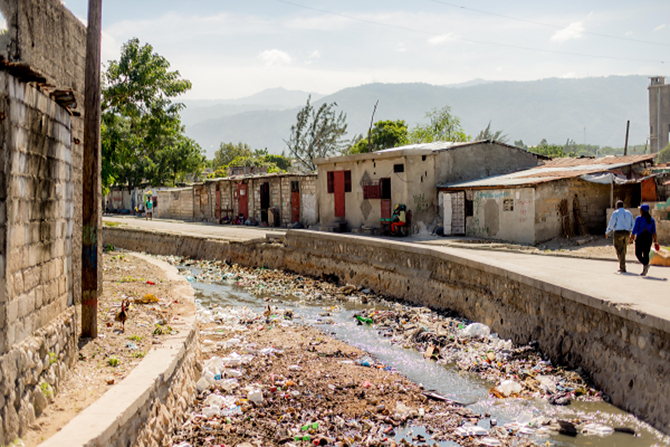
[(124, 277)]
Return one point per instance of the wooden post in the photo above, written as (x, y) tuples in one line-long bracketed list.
[(91, 244), (625, 146)]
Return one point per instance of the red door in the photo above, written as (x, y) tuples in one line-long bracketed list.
[(218, 204), (295, 201), (243, 199), (338, 189)]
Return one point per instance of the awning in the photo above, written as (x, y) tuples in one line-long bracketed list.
[(607, 178)]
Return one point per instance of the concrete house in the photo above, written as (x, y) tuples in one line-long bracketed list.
[(279, 199), (561, 198), (360, 190)]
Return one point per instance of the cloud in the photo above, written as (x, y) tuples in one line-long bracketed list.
[(574, 30), (660, 27), (274, 57), (442, 38), (316, 54)]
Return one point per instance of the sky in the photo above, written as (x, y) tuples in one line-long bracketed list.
[(235, 48)]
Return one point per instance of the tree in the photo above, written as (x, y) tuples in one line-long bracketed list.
[(488, 134), (317, 133), (442, 126), (142, 134), (383, 135), (520, 143), (227, 152)]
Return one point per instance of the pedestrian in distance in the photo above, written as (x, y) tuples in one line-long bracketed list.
[(644, 233), (149, 205), (620, 227)]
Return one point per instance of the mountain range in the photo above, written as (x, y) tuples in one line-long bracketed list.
[(586, 110)]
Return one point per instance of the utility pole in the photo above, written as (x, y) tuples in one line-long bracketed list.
[(625, 146), (91, 206)]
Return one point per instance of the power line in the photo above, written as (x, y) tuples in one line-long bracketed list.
[(462, 39), (547, 25)]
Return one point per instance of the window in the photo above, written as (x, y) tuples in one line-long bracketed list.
[(508, 205), (295, 186), (423, 158), (330, 179), (399, 167), (469, 209)]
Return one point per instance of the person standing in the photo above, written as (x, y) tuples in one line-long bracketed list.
[(620, 227), (644, 233), (149, 205)]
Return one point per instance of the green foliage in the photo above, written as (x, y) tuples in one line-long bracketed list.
[(572, 149), (317, 133), (241, 155), (113, 361), (520, 143), (383, 135), (47, 390), (142, 135), (488, 134), (664, 155), (136, 338), (442, 126), (227, 152), (53, 358)]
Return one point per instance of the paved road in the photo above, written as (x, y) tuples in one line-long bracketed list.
[(596, 278), (228, 232)]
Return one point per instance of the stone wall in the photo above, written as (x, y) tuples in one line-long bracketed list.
[(626, 353), (41, 56)]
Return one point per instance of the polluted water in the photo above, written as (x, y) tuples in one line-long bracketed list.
[(512, 387)]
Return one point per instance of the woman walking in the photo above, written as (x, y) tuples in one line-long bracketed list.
[(644, 233)]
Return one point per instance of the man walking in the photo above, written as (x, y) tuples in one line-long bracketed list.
[(620, 226)]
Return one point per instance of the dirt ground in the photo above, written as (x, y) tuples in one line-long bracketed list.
[(108, 359)]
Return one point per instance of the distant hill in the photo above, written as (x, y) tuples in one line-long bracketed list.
[(588, 110)]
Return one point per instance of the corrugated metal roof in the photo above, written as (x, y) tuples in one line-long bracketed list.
[(556, 169)]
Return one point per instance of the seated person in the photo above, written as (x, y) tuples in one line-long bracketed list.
[(398, 218)]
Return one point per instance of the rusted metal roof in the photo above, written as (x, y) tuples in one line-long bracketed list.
[(556, 169)]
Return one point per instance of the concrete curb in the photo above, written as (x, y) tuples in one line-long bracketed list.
[(113, 418)]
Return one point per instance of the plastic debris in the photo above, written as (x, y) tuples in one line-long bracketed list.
[(470, 430), (509, 387), (476, 330)]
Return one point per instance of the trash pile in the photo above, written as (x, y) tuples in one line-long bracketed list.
[(268, 381), (271, 377), (451, 341)]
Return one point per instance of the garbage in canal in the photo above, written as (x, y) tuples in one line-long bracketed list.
[(476, 330), (283, 387)]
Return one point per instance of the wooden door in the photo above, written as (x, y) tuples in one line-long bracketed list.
[(457, 213), (338, 189), (217, 205), (295, 201), (243, 199)]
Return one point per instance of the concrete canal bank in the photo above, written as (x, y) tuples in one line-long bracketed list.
[(625, 350)]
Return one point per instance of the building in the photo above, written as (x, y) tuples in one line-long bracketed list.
[(359, 191), (561, 198), (659, 113), (278, 200)]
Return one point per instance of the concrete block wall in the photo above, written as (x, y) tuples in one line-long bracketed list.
[(175, 204), (41, 249)]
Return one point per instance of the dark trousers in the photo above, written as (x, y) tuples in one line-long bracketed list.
[(643, 247), (621, 245)]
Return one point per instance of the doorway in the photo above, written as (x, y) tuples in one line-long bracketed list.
[(265, 202), (243, 200), (295, 201)]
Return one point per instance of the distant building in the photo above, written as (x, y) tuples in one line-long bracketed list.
[(562, 198), (659, 113), (359, 191)]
